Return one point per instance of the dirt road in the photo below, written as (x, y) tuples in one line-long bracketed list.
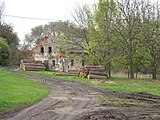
[(74, 101)]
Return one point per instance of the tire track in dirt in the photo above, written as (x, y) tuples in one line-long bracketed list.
[(66, 100), (70, 100)]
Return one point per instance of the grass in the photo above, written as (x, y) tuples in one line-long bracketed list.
[(120, 84), (136, 85), (17, 91)]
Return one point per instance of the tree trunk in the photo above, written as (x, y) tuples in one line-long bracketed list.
[(154, 72), (136, 75), (131, 63), (154, 77), (128, 73), (48, 64), (109, 70)]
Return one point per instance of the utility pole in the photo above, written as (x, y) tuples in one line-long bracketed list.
[(1, 10)]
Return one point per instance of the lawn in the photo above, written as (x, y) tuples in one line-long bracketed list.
[(118, 84), (16, 91)]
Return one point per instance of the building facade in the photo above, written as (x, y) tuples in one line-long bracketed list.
[(46, 50)]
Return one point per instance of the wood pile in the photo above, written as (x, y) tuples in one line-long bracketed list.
[(93, 72), (32, 65), (83, 72)]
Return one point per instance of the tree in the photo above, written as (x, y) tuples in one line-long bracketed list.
[(82, 18), (128, 24), (5, 52), (7, 32), (151, 35), (65, 31), (102, 35), (141, 60)]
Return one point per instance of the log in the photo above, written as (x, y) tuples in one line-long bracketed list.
[(83, 72), (74, 71), (66, 74), (94, 68), (97, 70), (31, 61), (32, 65), (102, 73), (92, 76), (93, 72), (33, 69)]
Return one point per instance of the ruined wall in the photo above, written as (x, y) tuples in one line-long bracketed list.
[(46, 50)]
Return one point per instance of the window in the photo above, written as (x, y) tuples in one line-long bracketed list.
[(72, 62), (83, 62), (42, 49), (54, 62), (49, 49)]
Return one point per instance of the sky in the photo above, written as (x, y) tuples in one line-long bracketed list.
[(44, 9)]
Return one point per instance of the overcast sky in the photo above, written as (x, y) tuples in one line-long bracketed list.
[(45, 9)]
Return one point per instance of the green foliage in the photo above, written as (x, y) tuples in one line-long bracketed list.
[(18, 91), (151, 37), (4, 52), (7, 32), (102, 36), (125, 35), (141, 60)]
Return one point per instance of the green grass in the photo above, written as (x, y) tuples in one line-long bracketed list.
[(122, 85), (16, 91), (141, 85)]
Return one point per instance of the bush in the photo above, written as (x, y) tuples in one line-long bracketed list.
[(4, 52)]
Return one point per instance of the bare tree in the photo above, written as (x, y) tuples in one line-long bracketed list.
[(82, 16)]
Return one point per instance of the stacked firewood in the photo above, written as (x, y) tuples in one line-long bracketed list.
[(83, 72), (32, 65), (93, 72)]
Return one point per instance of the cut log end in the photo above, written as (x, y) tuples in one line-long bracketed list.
[(92, 72)]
